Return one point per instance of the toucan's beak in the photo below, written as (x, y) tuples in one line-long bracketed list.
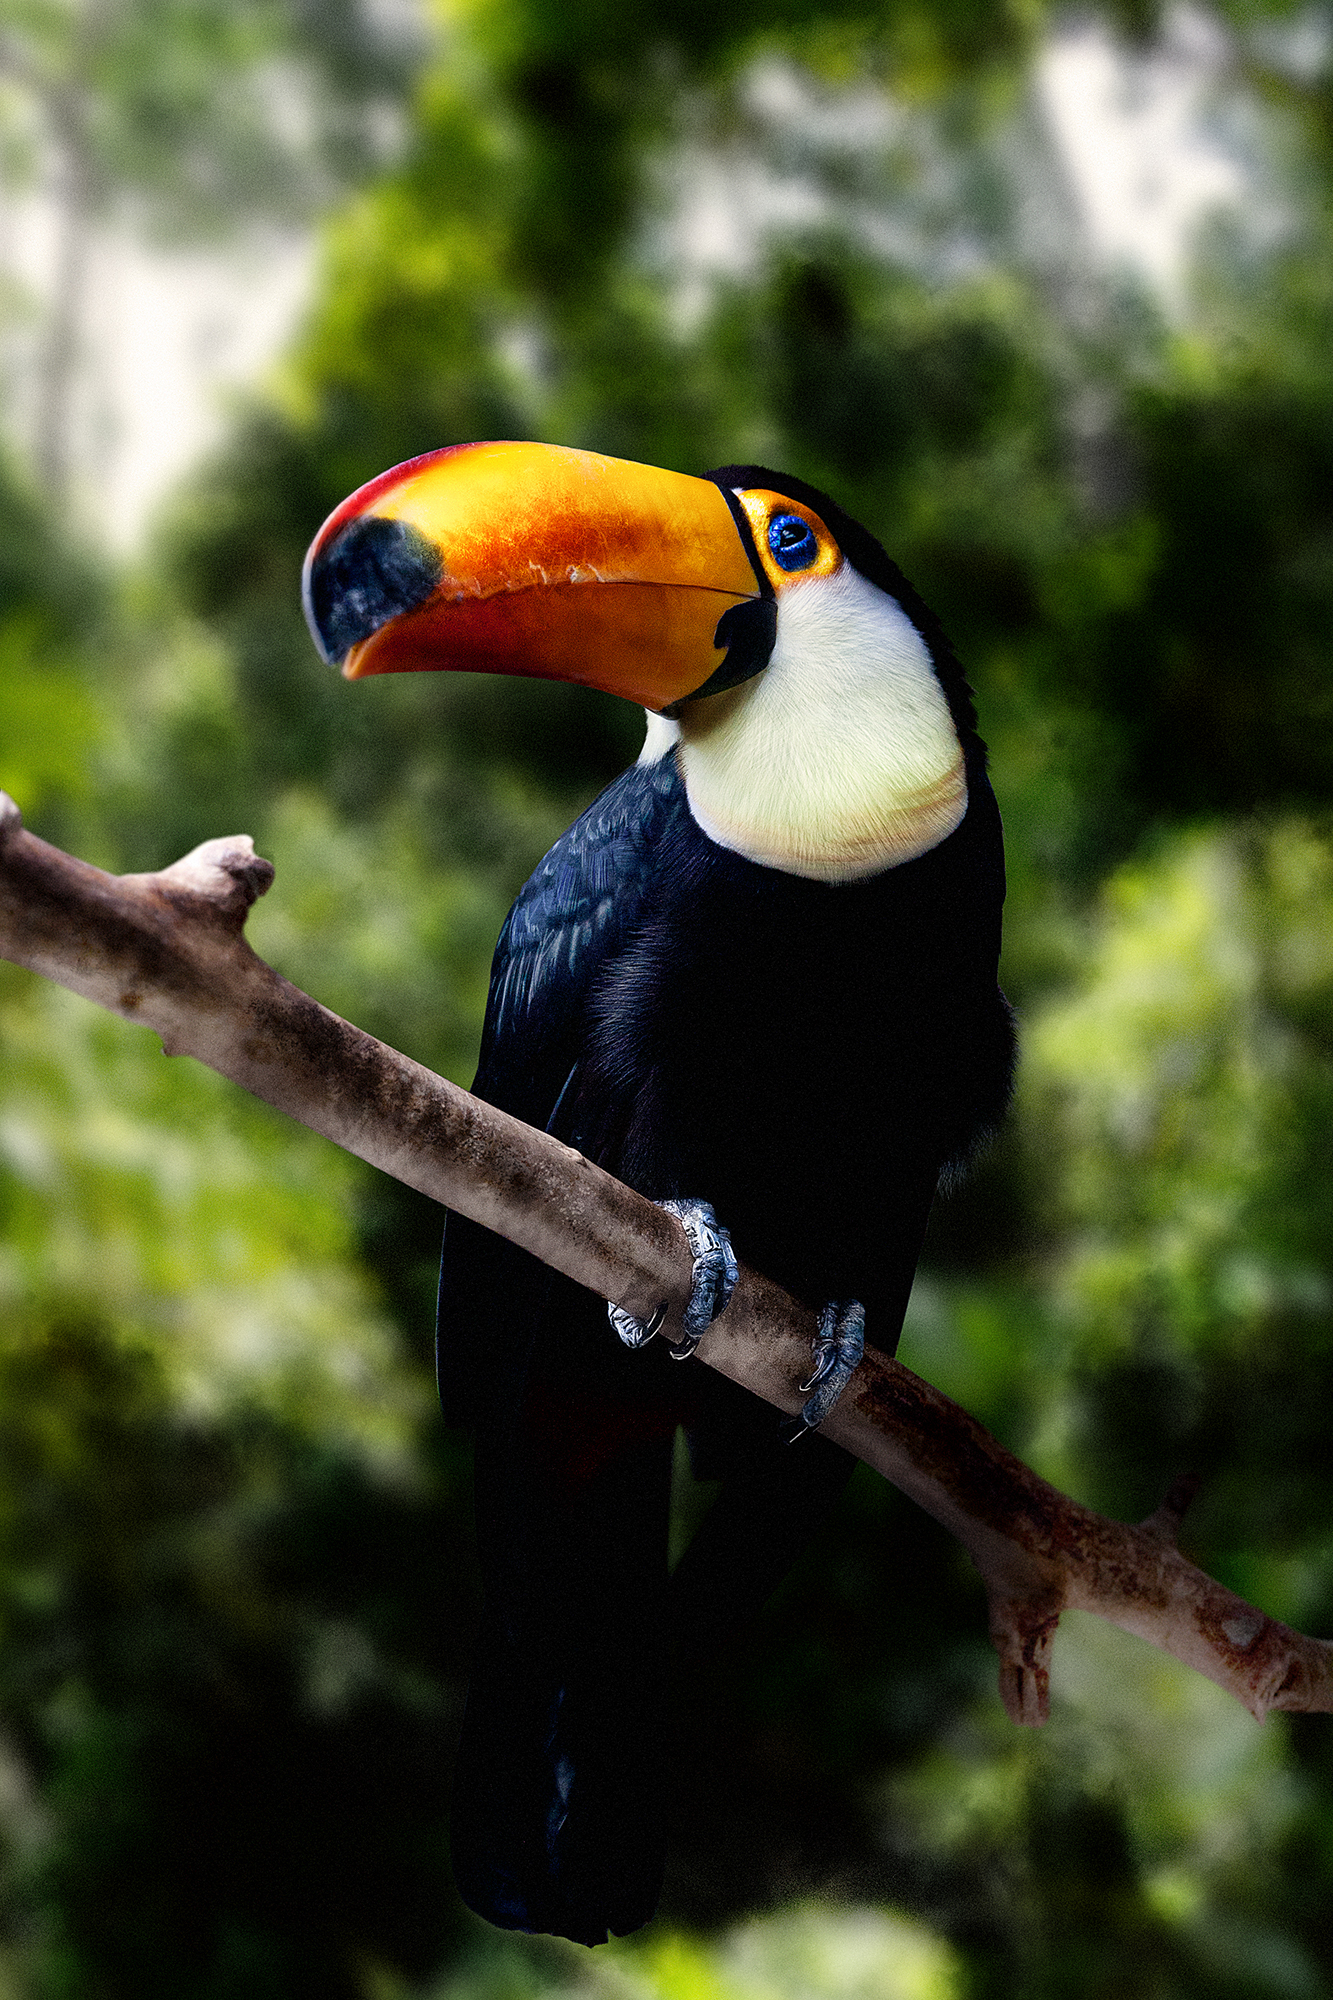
[(531, 559)]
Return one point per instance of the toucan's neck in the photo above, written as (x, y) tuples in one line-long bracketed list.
[(841, 758)]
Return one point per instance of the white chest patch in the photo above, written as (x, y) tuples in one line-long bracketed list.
[(840, 758)]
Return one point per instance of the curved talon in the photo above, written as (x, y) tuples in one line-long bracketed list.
[(711, 1285), (635, 1332), (837, 1349)]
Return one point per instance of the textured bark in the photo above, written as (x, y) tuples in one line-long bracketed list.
[(169, 950)]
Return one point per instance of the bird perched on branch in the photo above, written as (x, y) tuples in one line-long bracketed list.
[(759, 972)]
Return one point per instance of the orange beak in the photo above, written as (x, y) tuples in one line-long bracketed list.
[(532, 559)]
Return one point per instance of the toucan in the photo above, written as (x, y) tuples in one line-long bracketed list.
[(759, 972)]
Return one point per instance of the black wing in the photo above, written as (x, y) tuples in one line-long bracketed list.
[(575, 913), (573, 916)]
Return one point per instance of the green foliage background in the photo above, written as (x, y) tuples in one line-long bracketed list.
[(235, 1574)]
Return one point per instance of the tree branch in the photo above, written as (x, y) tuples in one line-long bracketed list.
[(169, 950)]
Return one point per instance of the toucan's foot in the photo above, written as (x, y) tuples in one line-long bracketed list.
[(715, 1274), (837, 1347)]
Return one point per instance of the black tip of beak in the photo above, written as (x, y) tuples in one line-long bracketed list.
[(369, 573)]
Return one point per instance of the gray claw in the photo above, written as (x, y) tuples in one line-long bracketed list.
[(837, 1349), (635, 1332), (714, 1280)]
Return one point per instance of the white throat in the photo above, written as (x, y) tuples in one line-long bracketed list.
[(838, 760), (659, 737)]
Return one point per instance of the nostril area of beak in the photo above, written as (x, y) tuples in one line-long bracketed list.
[(369, 573)]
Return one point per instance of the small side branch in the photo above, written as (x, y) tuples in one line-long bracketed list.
[(169, 950)]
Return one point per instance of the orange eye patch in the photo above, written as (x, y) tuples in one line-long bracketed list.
[(792, 541)]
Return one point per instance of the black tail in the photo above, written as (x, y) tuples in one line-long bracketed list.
[(557, 1812)]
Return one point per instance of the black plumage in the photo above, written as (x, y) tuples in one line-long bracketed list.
[(809, 1057)]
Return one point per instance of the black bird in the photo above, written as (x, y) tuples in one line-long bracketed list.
[(760, 969)]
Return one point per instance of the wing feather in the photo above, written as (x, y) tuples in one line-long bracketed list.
[(577, 911)]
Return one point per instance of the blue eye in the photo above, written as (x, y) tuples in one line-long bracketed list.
[(792, 542)]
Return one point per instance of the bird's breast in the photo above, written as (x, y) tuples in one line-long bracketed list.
[(799, 1053)]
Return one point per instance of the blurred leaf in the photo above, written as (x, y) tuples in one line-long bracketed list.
[(49, 723)]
